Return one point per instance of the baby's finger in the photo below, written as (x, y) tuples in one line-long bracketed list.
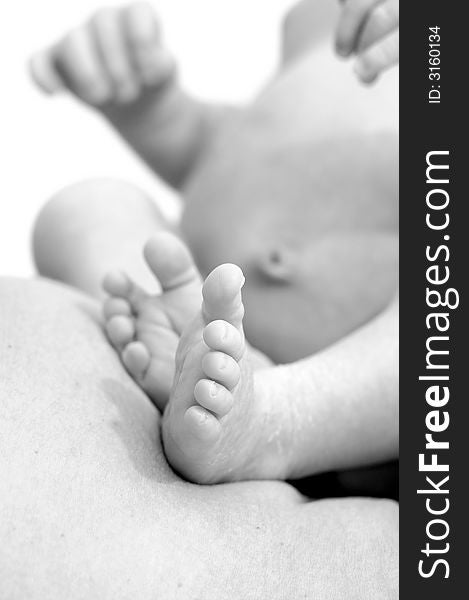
[(378, 58), (382, 20), (79, 66), (113, 52), (351, 21), (43, 71), (152, 62)]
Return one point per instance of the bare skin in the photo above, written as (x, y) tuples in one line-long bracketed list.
[(145, 328), (285, 150), (308, 260), (228, 419), (90, 507)]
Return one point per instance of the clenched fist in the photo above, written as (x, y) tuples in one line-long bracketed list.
[(114, 58)]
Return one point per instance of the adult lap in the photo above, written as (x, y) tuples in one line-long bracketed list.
[(91, 509)]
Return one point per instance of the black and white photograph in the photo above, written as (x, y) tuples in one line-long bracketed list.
[(199, 301)]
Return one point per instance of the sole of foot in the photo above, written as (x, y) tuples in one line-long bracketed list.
[(212, 425), (145, 328)]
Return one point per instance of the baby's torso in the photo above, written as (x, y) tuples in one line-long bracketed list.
[(317, 150), (312, 162)]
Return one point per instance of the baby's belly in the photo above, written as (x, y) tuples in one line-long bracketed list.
[(300, 159), (309, 241), (274, 184)]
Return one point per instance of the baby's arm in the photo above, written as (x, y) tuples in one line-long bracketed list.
[(117, 64), (369, 29), (342, 403)]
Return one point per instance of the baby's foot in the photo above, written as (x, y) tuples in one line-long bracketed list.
[(215, 427), (144, 328)]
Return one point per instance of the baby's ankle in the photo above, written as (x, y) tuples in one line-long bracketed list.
[(274, 430)]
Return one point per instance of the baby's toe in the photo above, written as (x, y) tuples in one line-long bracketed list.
[(214, 397), (201, 424), (171, 261), (116, 283), (222, 368), (120, 330), (136, 359), (222, 295), (116, 306), (224, 337), (120, 285)]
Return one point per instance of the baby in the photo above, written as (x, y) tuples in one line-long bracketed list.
[(299, 190)]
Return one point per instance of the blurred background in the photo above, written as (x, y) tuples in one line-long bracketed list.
[(226, 48)]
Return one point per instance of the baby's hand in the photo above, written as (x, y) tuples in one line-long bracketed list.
[(369, 29), (113, 58)]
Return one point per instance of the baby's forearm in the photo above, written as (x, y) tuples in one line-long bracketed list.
[(168, 129), (116, 62), (339, 407)]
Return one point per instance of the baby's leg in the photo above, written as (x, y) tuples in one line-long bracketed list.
[(224, 422), (86, 234), (90, 228)]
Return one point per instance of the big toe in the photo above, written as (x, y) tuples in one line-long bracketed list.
[(171, 261), (222, 295)]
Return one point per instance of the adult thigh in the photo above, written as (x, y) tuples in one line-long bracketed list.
[(90, 508)]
